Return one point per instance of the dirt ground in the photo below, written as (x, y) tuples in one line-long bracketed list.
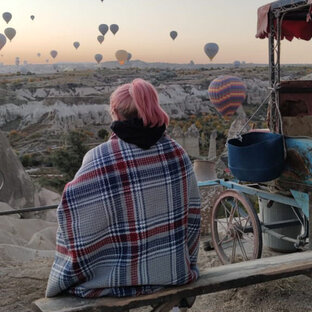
[(23, 282)]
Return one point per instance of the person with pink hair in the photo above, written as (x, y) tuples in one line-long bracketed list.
[(138, 117), (129, 221)]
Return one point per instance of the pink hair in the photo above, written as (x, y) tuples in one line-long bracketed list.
[(138, 99)]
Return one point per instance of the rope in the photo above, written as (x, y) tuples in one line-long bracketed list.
[(238, 135), (281, 126), (274, 89)]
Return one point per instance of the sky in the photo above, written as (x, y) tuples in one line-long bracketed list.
[(144, 27)]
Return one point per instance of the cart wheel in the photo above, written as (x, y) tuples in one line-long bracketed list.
[(236, 230)]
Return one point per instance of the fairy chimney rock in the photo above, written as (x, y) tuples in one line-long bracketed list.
[(178, 135), (237, 125), (188, 140), (191, 141), (212, 153), (17, 188)]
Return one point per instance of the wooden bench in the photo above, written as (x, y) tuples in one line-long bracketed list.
[(216, 279)]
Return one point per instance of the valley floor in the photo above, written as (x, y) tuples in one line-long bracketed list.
[(23, 281)]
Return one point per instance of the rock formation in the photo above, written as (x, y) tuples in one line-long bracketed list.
[(17, 189), (189, 140), (212, 153)]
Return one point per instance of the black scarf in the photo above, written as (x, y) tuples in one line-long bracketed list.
[(133, 131)]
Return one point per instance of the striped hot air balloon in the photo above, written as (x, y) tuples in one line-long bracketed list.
[(227, 93)]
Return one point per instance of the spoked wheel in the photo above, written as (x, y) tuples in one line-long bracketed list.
[(236, 230)]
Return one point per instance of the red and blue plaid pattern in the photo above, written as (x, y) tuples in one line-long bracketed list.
[(128, 222)]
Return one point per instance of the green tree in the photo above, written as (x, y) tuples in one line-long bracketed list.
[(25, 160), (68, 159), (103, 134)]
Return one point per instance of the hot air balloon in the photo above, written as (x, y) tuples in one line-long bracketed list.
[(173, 34), (129, 56), (53, 53), (98, 58), (103, 28), (100, 39), (23, 70), (38, 54), (10, 33), (114, 28), (121, 56), (32, 17), (76, 44), (227, 93), (236, 63), (7, 16), (211, 49), (2, 41)]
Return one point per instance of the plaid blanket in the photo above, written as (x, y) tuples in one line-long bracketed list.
[(128, 222)]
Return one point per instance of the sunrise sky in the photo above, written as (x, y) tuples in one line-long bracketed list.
[(144, 27)]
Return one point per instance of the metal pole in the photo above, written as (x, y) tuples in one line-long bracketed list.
[(310, 220), (42, 208), (271, 70), (279, 236)]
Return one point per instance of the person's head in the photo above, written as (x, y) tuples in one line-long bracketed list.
[(138, 99)]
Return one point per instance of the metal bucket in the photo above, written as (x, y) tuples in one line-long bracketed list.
[(257, 156), (278, 212), (204, 170)]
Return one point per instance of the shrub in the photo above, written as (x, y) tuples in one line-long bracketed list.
[(103, 134), (25, 160), (68, 159), (31, 160)]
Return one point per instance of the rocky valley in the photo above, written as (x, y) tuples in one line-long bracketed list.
[(40, 107)]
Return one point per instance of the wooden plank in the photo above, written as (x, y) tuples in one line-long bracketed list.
[(216, 279)]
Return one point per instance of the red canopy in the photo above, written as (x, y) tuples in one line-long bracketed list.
[(292, 27)]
